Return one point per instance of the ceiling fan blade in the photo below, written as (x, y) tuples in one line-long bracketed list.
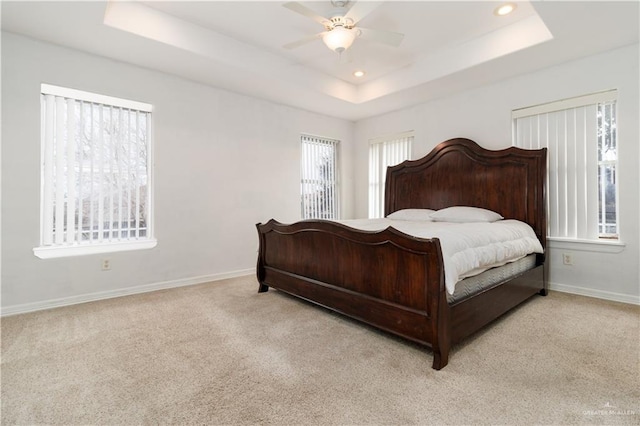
[(304, 10), (303, 41), (361, 9), (384, 37)]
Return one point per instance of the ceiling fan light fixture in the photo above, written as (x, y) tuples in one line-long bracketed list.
[(339, 39)]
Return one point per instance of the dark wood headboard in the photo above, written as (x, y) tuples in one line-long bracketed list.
[(459, 172)]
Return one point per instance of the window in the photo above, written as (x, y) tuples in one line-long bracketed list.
[(319, 178), (581, 137), (96, 174), (384, 152)]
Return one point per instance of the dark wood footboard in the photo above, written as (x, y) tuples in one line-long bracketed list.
[(387, 279)]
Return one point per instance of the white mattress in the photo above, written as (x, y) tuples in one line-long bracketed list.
[(467, 248), (490, 278)]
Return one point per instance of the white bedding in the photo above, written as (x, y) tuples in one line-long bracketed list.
[(467, 248)]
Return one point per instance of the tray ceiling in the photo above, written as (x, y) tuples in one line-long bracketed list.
[(448, 46)]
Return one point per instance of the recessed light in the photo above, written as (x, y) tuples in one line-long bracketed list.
[(505, 9), (359, 73)]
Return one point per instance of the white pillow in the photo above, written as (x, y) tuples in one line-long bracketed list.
[(461, 214), (412, 214)]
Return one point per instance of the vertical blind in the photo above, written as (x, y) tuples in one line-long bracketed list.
[(95, 168), (385, 152), (580, 136), (319, 178)]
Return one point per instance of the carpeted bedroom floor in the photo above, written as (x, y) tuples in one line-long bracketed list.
[(221, 353)]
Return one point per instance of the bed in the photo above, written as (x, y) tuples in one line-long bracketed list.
[(396, 282)]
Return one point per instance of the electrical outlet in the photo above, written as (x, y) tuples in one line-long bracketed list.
[(567, 259), (106, 264)]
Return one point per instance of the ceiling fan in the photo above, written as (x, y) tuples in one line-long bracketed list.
[(341, 25)]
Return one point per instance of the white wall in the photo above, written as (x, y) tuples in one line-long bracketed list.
[(484, 115), (223, 162)]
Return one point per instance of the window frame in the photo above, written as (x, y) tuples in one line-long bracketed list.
[(76, 248), (377, 178), (601, 241), (306, 138)]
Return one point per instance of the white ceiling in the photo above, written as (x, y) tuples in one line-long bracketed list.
[(448, 46)]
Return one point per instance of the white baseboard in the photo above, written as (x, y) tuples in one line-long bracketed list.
[(599, 294), (74, 300), (91, 297)]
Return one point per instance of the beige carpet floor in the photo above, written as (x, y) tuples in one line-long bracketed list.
[(221, 353)]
